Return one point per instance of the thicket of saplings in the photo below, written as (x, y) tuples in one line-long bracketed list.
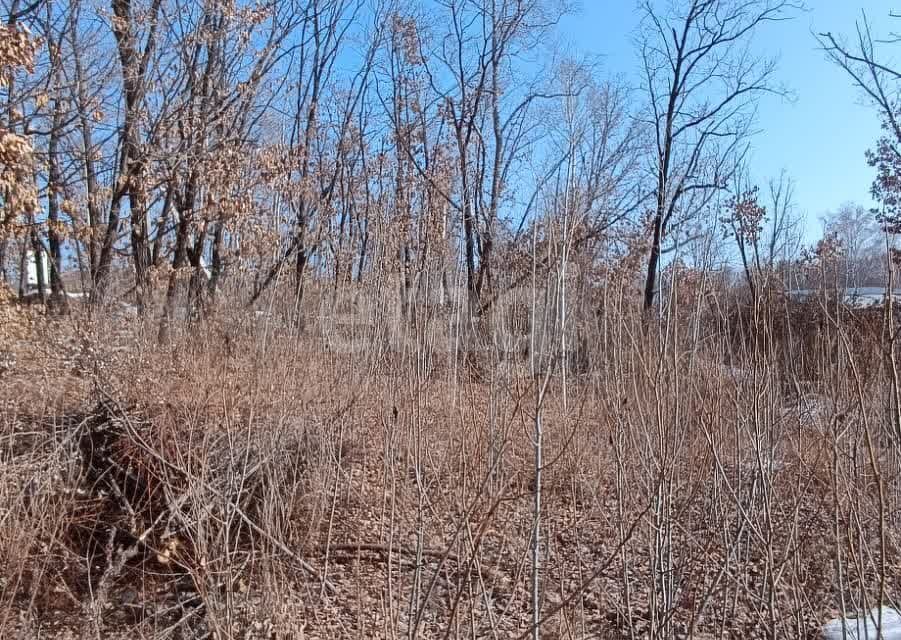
[(340, 467)]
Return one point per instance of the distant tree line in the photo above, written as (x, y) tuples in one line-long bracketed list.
[(415, 144)]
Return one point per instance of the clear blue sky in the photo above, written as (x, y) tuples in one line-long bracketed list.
[(820, 138)]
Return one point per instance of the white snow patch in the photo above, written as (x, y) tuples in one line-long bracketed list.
[(867, 627)]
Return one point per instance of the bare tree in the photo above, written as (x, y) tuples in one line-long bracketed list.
[(863, 61), (208, 131), (763, 226), (702, 82), (136, 38), (54, 32), (88, 76), (862, 261), (783, 235), (318, 144), (745, 219), (488, 97)]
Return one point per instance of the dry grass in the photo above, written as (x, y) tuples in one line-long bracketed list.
[(251, 480)]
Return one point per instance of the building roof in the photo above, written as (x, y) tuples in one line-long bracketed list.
[(857, 297)]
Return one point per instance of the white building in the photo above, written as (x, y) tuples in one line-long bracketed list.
[(31, 272)]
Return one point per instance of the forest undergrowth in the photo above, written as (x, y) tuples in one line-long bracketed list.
[(254, 479)]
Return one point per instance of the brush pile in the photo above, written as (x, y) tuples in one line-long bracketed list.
[(142, 519)]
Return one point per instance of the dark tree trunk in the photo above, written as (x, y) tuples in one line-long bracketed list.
[(299, 272), (57, 294), (650, 285), (179, 261), (4, 274), (38, 249), (216, 266), (133, 69), (470, 242), (90, 169)]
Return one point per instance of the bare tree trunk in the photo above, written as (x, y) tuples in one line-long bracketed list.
[(650, 285), (300, 266), (196, 298), (105, 257), (133, 68), (4, 274), (156, 255), (179, 260), (699, 116), (90, 168), (469, 247), (54, 186), (217, 264), (37, 248), (23, 267)]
